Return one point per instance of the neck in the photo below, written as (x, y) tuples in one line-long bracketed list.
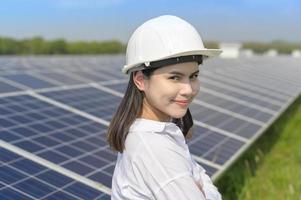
[(149, 112)]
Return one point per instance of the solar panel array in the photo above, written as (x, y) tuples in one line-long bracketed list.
[(54, 112)]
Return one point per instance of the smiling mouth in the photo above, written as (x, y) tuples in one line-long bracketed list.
[(182, 103)]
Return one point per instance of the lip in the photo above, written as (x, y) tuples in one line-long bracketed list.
[(182, 103)]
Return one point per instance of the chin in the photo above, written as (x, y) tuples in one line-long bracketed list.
[(178, 114)]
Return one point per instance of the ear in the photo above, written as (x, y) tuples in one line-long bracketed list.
[(138, 79)]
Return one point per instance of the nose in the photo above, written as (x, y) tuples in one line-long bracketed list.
[(186, 90)]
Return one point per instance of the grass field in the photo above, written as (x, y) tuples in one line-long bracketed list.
[(271, 168)]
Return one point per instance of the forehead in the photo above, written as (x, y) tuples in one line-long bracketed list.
[(185, 68)]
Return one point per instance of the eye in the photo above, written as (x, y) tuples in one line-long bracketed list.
[(176, 78), (194, 77)]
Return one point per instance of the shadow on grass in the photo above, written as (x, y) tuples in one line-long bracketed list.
[(232, 182)]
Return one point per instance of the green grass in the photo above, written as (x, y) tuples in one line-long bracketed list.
[(271, 168)]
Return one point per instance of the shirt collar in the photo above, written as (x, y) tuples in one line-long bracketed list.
[(147, 125), (142, 124), (164, 128)]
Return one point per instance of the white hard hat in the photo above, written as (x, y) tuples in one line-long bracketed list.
[(162, 38)]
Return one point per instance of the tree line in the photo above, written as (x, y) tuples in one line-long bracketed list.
[(282, 47), (40, 46)]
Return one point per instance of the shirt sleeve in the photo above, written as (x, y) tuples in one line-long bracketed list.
[(165, 168), (182, 188), (199, 174)]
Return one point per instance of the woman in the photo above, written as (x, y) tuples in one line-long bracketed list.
[(153, 119)]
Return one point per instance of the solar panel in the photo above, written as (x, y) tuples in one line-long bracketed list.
[(57, 135), (61, 78), (56, 110), (234, 106), (5, 88), (21, 178), (88, 100), (28, 80)]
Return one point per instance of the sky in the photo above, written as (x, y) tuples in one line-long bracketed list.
[(216, 20)]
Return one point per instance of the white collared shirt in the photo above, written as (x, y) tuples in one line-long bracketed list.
[(156, 164)]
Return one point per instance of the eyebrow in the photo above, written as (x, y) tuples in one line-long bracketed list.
[(182, 74)]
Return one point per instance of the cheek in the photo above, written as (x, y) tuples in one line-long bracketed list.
[(195, 87), (160, 92)]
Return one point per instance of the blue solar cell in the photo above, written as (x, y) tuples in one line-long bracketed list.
[(36, 116), (260, 116), (46, 141), (121, 87), (104, 197), (5, 88), (62, 136), (223, 151), (29, 81), (69, 121), (27, 166), (113, 74), (234, 107), (29, 146), (4, 111), (53, 156), (109, 169), (34, 188), (10, 194), (94, 161), (16, 108), (245, 88), (8, 136), (106, 154), (64, 79), (80, 168), (40, 128), (84, 146), (209, 169), (105, 178), (212, 145), (54, 178), (92, 76), (90, 100), (98, 141), (205, 144), (23, 132), (69, 151), (248, 130), (76, 133), (7, 156), (240, 77), (2, 102), (60, 195), (224, 121), (8, 175), (55, 124), (83, 191), (20, 119), (259, 102), (6, 123)]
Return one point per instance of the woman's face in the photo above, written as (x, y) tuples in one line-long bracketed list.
[(170, 90)]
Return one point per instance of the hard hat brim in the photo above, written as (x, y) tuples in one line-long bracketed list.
[(207, 53)]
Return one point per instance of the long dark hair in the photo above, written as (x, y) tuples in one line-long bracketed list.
[(129, 109)]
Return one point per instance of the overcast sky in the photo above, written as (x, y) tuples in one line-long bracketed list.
[(218, 20)]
